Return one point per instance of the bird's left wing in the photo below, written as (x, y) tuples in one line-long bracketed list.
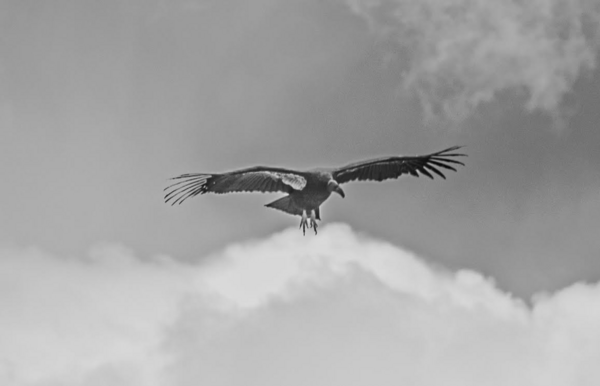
[(255, 179), (380, 169)]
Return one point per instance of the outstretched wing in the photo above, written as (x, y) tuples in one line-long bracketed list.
[(380, 169), (255, 179)]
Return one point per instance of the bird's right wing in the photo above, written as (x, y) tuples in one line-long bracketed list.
[(255, 179), (384, 168)]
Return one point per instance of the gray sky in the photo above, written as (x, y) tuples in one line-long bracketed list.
[(102, 102)]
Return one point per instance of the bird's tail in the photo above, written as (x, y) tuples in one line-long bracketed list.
[(286, 205)]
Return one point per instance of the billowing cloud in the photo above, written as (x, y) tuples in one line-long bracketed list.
[(457, 54), (67, 319), (339, 308)]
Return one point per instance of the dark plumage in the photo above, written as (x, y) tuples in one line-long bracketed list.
[(307, 190)]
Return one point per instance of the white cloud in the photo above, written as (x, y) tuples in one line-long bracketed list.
[(458, 54), (338, 308)]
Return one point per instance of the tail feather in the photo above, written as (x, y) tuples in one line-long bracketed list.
[(285, 204)]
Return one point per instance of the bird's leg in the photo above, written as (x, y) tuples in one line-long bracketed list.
[(313, 220), (303, 222)]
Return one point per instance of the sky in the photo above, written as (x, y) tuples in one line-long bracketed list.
[(416, 280)]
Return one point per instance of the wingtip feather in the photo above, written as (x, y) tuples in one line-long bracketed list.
[(188, 185)]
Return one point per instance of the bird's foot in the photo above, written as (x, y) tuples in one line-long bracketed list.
[(314, 225), (304, 222), (313, 221)]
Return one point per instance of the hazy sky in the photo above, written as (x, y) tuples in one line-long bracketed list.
[(102, 102)]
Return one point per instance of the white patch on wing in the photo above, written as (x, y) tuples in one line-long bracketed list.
[(294, 180)]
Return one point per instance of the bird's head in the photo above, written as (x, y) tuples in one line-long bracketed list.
[(333, 186)]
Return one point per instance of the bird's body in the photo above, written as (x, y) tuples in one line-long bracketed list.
[(308, 190), (309, 198)]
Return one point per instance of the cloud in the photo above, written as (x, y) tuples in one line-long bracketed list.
[(66, 318), (339, 308), (458, 54)]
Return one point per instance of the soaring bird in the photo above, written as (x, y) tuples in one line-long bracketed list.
[(307, 190)]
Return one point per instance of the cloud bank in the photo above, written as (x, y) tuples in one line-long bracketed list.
[(340, 308), (458, 54)]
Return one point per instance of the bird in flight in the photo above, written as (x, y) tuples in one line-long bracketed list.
[(307, 190)]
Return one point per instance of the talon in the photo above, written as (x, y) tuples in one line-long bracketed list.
[(313, 221), (303, 223)]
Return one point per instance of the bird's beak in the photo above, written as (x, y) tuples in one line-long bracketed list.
[(339, 191)]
